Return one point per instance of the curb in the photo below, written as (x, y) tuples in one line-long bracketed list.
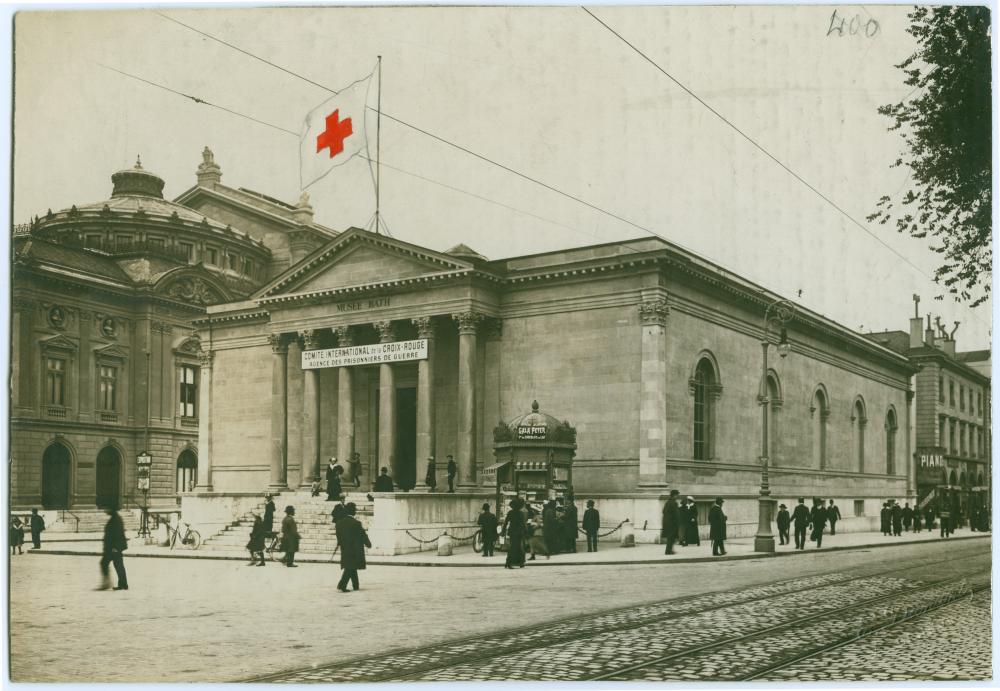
[(376, 561)]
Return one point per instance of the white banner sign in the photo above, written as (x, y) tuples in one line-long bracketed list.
[(374, 354)]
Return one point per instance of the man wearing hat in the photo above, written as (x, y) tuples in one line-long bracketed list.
[(353, 539), (671, 521), (784, 520), (452, 469), (801, 519), (818, 520), (591, 524), (289, 537), (717, 528), (692, 537), (488, 523), (431, 478), (268, 523)]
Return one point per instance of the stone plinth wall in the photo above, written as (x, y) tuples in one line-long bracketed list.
[(209, 512), (425, 516)]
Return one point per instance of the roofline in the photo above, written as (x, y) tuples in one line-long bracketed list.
[(930, 353), (196, 189)]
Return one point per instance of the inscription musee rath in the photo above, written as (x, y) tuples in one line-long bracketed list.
[(372, 354), (357, 305)]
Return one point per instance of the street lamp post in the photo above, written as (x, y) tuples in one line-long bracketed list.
[(777, 315)]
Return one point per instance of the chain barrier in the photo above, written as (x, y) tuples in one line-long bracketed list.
[(435, 539)]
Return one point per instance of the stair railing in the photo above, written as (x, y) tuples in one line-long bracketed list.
[(62, 517)]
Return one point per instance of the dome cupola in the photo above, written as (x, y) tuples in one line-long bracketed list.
[(136, 182)]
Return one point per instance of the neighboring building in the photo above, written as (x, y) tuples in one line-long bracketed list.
[(652, 353), (104, 360), (952, 427)]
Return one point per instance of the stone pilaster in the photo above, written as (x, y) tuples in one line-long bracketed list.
[(205, 421), (425, 399), (468, 325), (345, 400), (387, 406), (279, 412), (311, 428), (653, 395)]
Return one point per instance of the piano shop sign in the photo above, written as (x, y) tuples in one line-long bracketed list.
[(373, 354)]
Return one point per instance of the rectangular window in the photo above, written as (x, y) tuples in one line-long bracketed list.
[(961, 398), (189, 391), (123, 241), (979, 402), (55, 381), (109, 388), (188, 249), (156, 242), (961, 438), (942, 440), (233, 262), (93, 241), (940, 389), (953, 445), (859, 507), (951, 393), (212, 256), (247, 266)]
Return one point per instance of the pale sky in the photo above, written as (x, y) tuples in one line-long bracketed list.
[(546, 91)]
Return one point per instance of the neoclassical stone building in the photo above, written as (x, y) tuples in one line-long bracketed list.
[(652, 353), (105, 362)]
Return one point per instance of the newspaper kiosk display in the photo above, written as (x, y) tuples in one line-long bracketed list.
[(534, 458)]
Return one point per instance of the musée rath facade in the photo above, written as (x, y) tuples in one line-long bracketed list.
[(652, 353)]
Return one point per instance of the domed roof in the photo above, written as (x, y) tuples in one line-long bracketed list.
[(136, 181), (536, 419)]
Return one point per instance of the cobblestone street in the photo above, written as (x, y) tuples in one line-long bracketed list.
[(739, 619)]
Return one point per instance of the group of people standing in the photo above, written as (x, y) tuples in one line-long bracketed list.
[(806, 520), (552, 530), (15, 535), (680, 524)]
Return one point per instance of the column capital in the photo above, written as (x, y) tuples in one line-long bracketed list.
[(468, 322), (654, 312), (425, 326), (310, 338), (278, 343), (493, 329), (386, 333), (205, 358), (344, 338)]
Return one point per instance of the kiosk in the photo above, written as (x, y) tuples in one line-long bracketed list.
[(534, 458)]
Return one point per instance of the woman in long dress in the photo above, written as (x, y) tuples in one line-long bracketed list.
[(514, 529)]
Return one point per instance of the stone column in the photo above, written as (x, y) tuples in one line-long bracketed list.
[(387, 407), (311, 428), (425, 400), (345, 400), (653, 395), (205, 422), (465, 453), (279, 412)]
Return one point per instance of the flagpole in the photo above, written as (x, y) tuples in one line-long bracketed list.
[(378, 145)]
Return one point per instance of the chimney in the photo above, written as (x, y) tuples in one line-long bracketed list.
[(916, 332), (948, 344), (929, 333), (209, 173)]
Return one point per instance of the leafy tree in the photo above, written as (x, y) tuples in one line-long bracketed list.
[(946, 129)]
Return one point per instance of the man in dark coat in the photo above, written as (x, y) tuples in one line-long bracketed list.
[(929, 518), (886, 517), (114, 544), (591, 524), (833, 515), (817, 517), (800, 517), (944, 517), (488, 524), (682, 518), (717, 528), (430, 479), (333, 488), (383, 483), (671, 521), (916, 520), (289, 537), (353, 539), (550, 528), (37, 525), (452, 472), (692, 523), (907, 516), (570, 525), (784, 520), (268, 521), (897, 519)]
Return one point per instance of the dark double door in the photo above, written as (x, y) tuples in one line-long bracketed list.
[(109, 472), (406, 438)]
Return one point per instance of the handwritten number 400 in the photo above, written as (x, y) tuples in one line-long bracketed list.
[(853, 26)]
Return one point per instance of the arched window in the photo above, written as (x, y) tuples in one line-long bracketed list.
[(109, 477), (706, 389), (187, 471), (820, 412), (774, 403), (859, 421), (890, 442)]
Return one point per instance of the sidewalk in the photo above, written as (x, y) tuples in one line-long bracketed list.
[(610, 552)]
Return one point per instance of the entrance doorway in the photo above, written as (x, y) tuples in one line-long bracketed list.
[(55, 477), (187, 471), (109, 469), (406, 438)]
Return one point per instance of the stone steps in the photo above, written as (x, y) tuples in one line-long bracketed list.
[(90, 521)]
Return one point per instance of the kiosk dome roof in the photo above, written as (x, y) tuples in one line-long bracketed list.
[(535, 418)]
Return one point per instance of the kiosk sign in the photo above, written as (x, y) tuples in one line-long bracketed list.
[(531, 432), (373, 354)]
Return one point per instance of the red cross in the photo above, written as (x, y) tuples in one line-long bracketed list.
[(335, 134)]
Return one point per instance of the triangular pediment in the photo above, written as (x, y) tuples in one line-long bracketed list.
[(111, 351), (359, 258), (58, 342)]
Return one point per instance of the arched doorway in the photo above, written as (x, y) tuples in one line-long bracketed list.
[(187, 470), (109, 472), (55, 477)]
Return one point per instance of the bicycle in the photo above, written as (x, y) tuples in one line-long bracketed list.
[(191, 538), (273, 546)]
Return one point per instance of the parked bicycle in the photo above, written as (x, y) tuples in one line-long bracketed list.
[(190, 538), (273, 545)]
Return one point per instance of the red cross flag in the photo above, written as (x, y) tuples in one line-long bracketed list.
[(334, 132)]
